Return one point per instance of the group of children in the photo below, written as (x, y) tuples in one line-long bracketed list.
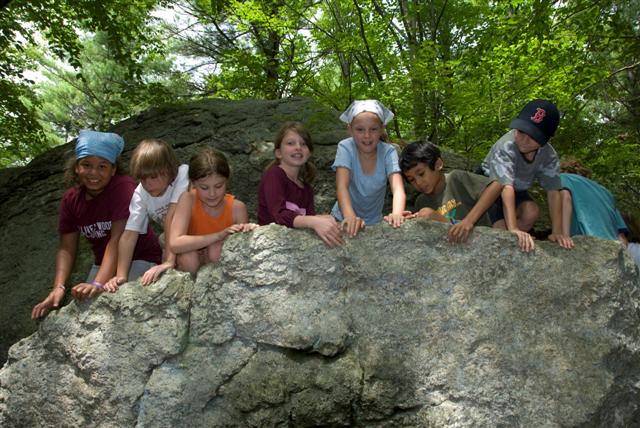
[(190, 201)]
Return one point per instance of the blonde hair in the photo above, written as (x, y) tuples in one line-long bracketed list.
[(308, 170), (207, 162), (153, 157)]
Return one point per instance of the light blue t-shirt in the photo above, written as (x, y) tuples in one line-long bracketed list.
[(367, 192), (594, 209)]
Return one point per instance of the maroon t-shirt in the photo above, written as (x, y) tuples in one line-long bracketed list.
[(93, 218), (280, 200)]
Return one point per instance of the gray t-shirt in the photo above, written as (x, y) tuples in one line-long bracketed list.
[(506, 164), (461, 191)]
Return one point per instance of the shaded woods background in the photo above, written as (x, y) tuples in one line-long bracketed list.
[(453, 71)]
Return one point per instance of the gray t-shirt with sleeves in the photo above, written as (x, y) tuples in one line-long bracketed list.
[(506, 164)]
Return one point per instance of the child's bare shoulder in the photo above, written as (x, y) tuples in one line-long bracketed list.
[(238, 203), (186, 198), (238, 206)]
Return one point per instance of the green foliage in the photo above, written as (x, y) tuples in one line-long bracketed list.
[(58, 22), (105, 92), (455, 71), (257, 46)]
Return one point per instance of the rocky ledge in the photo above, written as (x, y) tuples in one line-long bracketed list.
[(396, 328)]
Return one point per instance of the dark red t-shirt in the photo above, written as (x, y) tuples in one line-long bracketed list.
[(280, 200), (93, 218)]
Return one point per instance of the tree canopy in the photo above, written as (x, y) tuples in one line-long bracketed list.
[(452, 71)]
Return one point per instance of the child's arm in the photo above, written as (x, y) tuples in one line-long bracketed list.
[(107, 267), (511, 220), (352, 222), (567, 211), (241, 218), (65, 256), (126, 247), (555, 210), (397, 216), (431, 214), (325, 226), (460, 231), (169, 262)]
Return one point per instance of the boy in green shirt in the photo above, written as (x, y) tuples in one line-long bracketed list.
[(458, 197)]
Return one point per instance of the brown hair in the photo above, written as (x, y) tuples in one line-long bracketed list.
[(308, 170), (70, 176), (153, 157), (574, 166), (206, 162)]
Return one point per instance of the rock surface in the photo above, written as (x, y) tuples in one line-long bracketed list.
[(396, 328), (243, 130)]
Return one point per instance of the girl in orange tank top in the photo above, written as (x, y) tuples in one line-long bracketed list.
[(206, 214)]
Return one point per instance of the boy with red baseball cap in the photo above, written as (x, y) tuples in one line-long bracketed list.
[(518, 159)]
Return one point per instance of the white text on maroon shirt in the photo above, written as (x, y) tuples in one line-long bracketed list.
[(97, 230)]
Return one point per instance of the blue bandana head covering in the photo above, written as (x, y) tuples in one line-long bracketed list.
[(374, 106), (106, 145)]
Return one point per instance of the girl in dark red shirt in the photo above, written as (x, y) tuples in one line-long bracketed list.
[(285, 196), (96, 208)]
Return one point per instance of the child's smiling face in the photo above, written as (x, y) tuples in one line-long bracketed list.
[(366, 130), (94, 173), (293, 151), (426, 180)]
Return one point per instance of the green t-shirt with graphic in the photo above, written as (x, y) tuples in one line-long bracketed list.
[(462, 190)]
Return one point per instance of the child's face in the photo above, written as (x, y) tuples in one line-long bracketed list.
[(94, 173), (426, 180), (211, 190), (293, 150), (156, 185), (367, 130), (525, 143)]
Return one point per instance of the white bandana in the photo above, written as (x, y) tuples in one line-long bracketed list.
[(373, 106)]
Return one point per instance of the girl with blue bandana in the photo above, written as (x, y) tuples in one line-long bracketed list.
[(97, 207)]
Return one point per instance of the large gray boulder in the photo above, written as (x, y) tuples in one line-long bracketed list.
[(396, 328), (30, 196), (243, 130)]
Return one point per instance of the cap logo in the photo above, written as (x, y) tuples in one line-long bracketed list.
[(540, 114)]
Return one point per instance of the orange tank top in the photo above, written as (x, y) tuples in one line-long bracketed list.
[(202, 223)]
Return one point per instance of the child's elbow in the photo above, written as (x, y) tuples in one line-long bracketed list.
[(173, 246)]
